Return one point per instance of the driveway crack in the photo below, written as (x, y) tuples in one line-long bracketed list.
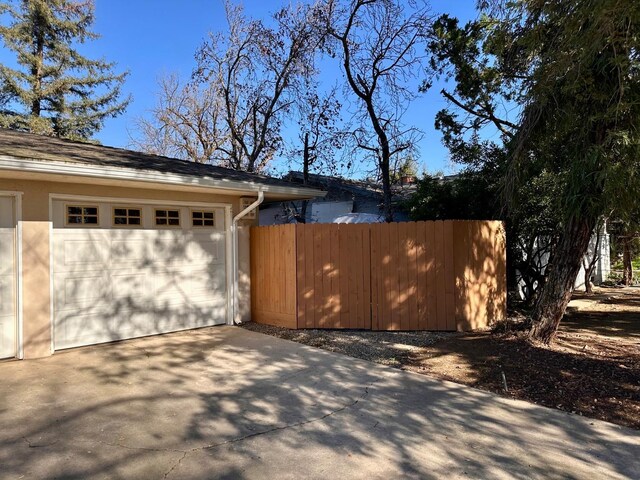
[(290, 425), (175, 465), (239, 439)]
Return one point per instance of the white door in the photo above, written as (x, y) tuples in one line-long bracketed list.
[(7, 277), (118, 274)]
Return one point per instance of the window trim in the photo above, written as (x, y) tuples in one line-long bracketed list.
[(126, 225), (82, 224), (201, 210), (167, 209)]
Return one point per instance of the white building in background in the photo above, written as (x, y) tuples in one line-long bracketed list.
[(601, 270), (346, 201)]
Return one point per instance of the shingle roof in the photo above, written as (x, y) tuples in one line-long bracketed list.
[(48, 149), (342, 188)]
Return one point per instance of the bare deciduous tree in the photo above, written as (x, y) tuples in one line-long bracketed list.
[(378, 42), (320, 137), (187, 122), (256, 69)]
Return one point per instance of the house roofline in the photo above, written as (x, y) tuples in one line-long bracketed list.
[(114, 173)]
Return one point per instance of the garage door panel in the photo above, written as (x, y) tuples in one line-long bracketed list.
[(201, 253), (168, 246), (74, 328), (134, 323), (122, 283), (104, 324), (131, 253), (7, 336), (189, 282), (171, 291), (131, 286), (82, 290), (98, 325), (75, 253), (7, 249), (7, 283)]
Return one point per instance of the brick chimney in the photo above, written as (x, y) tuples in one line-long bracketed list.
[(407, 180)]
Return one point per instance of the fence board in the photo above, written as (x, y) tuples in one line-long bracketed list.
[(432, 299), (375, 252), (449, 277), (402, 267), (461, 264), (343, 277), (366, 275), (439, 280), (413, 277), (354, 265), (400, 276), (301, 292), (309, 277), (421, 272)]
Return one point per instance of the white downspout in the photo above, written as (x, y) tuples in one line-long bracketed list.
[(234, 247)]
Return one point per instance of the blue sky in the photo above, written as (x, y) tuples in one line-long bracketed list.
[(153, 37)]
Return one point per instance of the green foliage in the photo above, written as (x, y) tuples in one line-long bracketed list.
[(582, 109), (55, 90), (467, 196), (559, 84)]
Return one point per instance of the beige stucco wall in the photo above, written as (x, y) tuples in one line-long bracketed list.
[(35, 246), (36, 305), (244, 271)]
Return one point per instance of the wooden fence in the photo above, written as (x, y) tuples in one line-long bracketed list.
[(444, 275)]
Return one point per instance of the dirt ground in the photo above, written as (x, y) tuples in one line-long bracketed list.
[(593, 368)]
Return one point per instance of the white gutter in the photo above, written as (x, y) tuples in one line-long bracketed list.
[(234, 247)]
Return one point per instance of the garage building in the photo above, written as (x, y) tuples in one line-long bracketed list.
[(100, 244)]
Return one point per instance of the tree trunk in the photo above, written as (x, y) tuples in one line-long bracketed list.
[(564, 266), (386, 193), (588, 287), (306, 160), (627, 274), (36, 72), (590, 265)]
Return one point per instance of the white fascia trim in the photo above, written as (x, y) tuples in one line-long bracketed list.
[(149, 176)]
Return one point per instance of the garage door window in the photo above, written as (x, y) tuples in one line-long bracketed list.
[(127, 216), (82, 215), (170, 218), (201, 218)]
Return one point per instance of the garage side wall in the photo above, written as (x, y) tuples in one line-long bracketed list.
[(36, 288), (244, 270), (36, 254)]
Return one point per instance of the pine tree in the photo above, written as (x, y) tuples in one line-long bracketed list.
[(55, 90)]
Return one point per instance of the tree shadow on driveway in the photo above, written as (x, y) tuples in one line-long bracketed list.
[(224, 402)]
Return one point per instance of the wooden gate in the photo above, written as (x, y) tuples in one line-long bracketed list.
[(444, 275)]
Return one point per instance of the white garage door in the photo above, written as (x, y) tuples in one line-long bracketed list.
[(7, 277), (124, 271)]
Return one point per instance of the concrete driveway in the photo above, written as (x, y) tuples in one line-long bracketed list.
[(228, 403)]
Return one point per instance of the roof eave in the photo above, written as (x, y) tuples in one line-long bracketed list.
[(118, 174)]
